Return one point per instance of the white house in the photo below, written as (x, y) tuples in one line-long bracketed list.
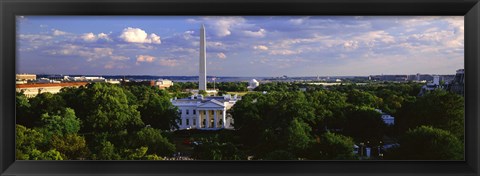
[(205, 113)]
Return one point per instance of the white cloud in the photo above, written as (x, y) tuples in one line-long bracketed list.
[(350, 45), (145, 58), (187, 35), (137, 35), (298, 21), (56, 32), (168, 62), (115, 65), (103, 36), (90, 54), (260, 47), (154, 38), (259, 33), (222, 26), (120, 58), (370, 38), (216, 45), (221, 55), (283, 52), (91, 37), (33, 37)]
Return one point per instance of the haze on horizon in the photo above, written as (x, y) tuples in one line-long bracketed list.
[(248, 46)]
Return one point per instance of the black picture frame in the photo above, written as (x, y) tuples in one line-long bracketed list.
[(470, 9)]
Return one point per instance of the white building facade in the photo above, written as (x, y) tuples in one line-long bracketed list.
[(205, 113)]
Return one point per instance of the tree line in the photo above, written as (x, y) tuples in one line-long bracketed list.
[(99, 121), (326, 123), (113, 122)]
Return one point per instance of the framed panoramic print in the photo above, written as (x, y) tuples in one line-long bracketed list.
[(239, 87)]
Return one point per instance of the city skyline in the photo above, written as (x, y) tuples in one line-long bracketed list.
[(240, 46)]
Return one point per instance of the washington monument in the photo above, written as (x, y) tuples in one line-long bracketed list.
[(202, 75)]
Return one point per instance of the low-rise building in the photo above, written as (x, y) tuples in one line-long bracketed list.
[(163, 83), (26, 77), (387, 118), (33, 89)]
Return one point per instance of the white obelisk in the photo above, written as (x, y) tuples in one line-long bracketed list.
[(202, 75)]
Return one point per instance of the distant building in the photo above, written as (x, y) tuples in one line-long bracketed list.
[(33, 89), (46, 80), (113, 81), (435, 84), (84, 78), (450, 83), (253, 84), (163, 83), (26, 77), (387, 118), (458, 83), (206, 113), (399, 78)]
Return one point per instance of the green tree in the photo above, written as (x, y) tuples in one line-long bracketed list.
[(202, 92), (364, 124), (44, 103), (27, 141), (109, 109), (428, 143), (154, 141), (332, 146), (48, 155), (273, 121), (106, 151), (298, 136), (329, 109), (438, 108), (363, 98), (155, 107), (136, 154), (22, 107), (64, 123), (72, 146)]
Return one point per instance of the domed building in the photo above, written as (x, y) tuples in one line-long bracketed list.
[(253, 84)]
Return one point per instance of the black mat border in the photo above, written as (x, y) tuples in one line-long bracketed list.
[(9, 8)]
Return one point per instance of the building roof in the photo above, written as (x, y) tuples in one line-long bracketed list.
[(69, 84)]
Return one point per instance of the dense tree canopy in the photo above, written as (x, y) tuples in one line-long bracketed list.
[(439, 109), (154, 141), (97, 121), (155, 107), (131, 122), (364, 124), (332, 146), (428, 143), (274, 121)]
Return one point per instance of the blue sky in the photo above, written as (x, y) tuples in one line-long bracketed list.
[(240, 45)]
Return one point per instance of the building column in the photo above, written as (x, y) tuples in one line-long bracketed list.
[(224, 117), (198, 122), (215, 119), (190, 125), (183, 122), (207, 119)]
